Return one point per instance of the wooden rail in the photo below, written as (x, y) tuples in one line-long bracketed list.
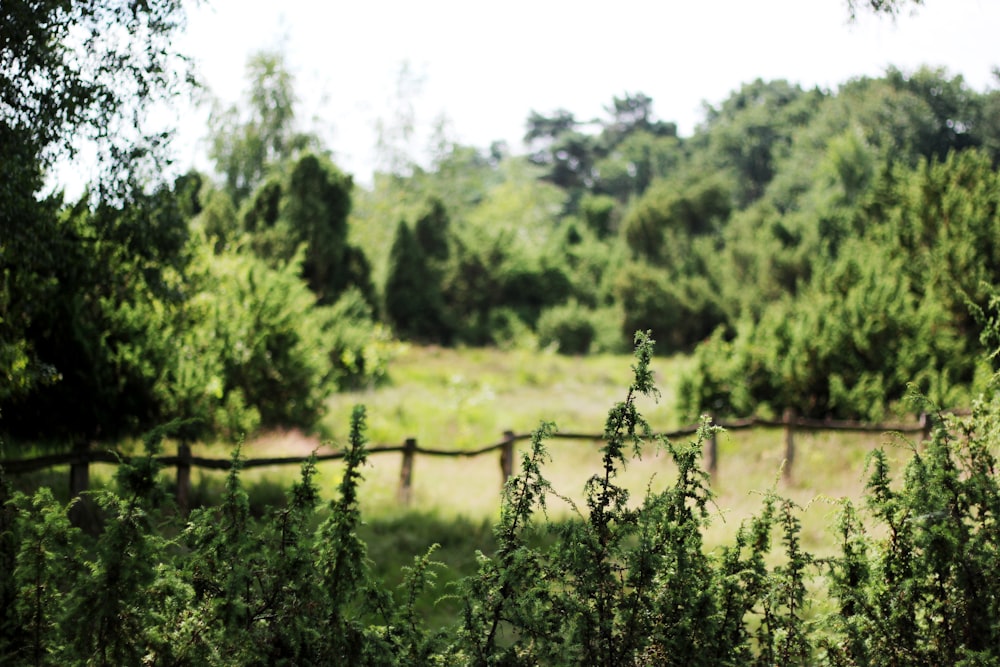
[(79, 460)]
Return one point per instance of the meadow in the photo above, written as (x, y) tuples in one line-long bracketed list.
[(463, 399), (452, 564), (466, 398)]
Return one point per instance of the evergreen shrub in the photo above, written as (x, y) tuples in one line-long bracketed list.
[(567, 327), (624, 582)]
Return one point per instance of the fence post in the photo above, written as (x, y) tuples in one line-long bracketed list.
[(507, 457), (789, 419), (80, 514), (405, 494), (183, 477), (927, 428), (711, 453)]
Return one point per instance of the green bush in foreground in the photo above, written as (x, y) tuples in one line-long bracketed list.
[(624, 583)]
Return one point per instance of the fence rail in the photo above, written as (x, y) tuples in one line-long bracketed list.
[(80, 460)]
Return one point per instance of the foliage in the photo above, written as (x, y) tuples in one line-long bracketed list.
[(622, 583), (256, 350), (83, 69), (413, 299), (660, 224), (922, 593), (737, 228), (107, 283), (568, 327), (246, 143), (890, 308)]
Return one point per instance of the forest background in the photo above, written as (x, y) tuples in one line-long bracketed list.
[(821, 250), (827, 251)]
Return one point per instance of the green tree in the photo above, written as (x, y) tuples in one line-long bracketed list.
[(247, 140), (565, 153), (660, 225), (113, 282), (70, 71), (309, 207), (413, 301), (943, 220), (636, 161), (432, 231), (956, 112), (752, 130), (630, 114), (315, 204)]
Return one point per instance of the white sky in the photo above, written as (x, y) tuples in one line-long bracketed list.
[(485, 66)]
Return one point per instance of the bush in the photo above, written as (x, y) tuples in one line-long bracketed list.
[(509, 331), (568, 327), (848, 347), (623, 583)]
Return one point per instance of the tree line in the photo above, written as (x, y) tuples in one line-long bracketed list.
[(823, 250), (814, 249)]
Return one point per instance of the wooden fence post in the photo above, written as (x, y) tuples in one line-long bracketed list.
[(789, 419), (927, 428), (405, 494), (711, 453), (183, 477), (507, 457), (80, 514)]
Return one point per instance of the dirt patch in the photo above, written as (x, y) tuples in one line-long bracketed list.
[(291, 442)]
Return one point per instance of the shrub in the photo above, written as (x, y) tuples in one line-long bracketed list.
[(622, 583), (567, 327)]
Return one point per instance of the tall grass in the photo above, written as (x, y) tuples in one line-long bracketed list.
[(466, 398), (600, 576)]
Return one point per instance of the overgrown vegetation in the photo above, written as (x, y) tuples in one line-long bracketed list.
[(815, 249), (624, 582)]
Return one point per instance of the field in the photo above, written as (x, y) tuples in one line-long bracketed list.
[(464, 399)]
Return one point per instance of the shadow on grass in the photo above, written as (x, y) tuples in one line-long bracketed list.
[(394, 541)]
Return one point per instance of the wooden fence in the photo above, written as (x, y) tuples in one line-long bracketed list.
[(79, 461)]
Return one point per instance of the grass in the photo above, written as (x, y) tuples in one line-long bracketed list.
[(465, 399)]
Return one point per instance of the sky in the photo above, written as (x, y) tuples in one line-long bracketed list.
[(485, 66)]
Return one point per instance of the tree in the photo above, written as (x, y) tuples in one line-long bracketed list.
[(567, 154), (394, 148), (752, 130), (316, 203), (82, 68), (110, 282), (635, 162), (247, 141), (431, 231), (661, 223), (70, 71), (308, 207), (633, 113), (413, 302), (889, 7), (956, 111)]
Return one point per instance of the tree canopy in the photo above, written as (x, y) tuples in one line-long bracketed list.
[(816, 249)]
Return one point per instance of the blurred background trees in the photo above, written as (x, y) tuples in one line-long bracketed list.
[(815, 249)]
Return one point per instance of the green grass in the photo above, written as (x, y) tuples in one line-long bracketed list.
[(465, 399)]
